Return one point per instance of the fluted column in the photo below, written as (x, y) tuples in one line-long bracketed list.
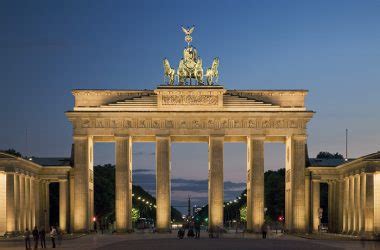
[(83, 155), (47, 205), (295, 183), (72, 201), (308, 215), (22, 203), (255, 183), (315, 204), (27, 202), (351, 205), (17, 201), (63, 205), (3, 203), (369, 204), (376, 203), (32, 203), (356, 202), (346, 204), (10, 202), (362, 203), (163, 210), (215, 181), (123, 186)]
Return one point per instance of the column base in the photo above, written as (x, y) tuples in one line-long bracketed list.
[(124, 231), (11, 234), (163, 230)]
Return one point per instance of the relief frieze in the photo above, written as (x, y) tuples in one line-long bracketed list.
[(190, 100), (211, 123)]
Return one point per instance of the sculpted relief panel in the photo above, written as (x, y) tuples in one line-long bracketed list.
[(190, 100), (215, 123)]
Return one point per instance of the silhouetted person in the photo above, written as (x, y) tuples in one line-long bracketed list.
[(197, 227), (59, 236), (53, 235), (27, 238), (35, 237), (264, 230), (42, 234)]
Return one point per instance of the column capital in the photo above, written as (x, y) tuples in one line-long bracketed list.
[(162, 136), (122, 136), (81, 137), (299, 137), (256, 137)]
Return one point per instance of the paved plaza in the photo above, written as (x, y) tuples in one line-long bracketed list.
[(169, 241)]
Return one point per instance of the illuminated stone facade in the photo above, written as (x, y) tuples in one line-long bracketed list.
[(24, 194), (353, 196), (198, 114), (205, 114)]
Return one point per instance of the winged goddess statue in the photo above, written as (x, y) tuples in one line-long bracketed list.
[(188, 32)]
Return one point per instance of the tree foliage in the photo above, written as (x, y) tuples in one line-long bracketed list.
[(328, 155), (12, 151)]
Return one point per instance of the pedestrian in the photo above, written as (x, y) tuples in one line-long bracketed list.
[(27, 239), (264, 230), (35, 234), (53, 235), (59, 236), (42, 234), (197, 226)]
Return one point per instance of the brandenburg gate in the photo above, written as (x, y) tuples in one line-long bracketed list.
[(200, 112), (204, 112)]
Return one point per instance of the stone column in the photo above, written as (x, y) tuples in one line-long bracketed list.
[(47, 206), (22, 203), (376, 203), (215, 181), (295, 183), (10, 204), (356, 202), (17, 201), (315, 200), (63, 205), (123, 186), (163, 210), (3, 203), (255, 183), (351, 205), (72, 201), (346, 203), (42, 195), (32, 203), (362, 203), (27, 202), (369, 204), (83, 155), (308, 215)]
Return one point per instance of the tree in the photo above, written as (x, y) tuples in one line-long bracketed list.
[(243, 213), (135, 214), (328, 155), (12, 151)]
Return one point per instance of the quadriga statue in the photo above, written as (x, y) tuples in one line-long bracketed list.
[(169, 72), (190, 67), (213, 72)]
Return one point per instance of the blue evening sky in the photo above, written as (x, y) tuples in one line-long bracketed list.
[(331, 48)]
